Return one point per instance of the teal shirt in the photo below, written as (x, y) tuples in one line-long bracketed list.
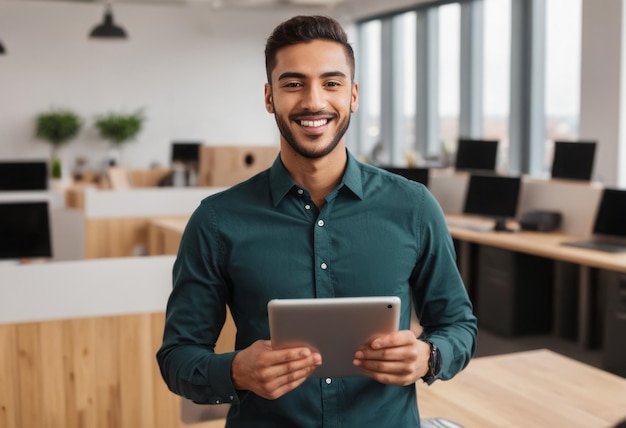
[(377, 234)]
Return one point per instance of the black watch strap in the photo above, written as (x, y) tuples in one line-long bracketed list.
[(434, 363)]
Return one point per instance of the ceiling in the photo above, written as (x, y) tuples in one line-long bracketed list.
[(235, 4)]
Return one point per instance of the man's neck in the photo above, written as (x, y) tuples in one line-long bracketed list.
[(319, 176)]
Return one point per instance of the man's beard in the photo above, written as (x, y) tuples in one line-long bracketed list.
[(300, 149)]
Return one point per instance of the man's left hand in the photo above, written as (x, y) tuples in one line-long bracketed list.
[(394, 359)]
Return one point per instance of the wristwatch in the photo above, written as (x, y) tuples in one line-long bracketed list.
[(434, 363)]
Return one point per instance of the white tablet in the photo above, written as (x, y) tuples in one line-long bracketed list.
[(336, 327)]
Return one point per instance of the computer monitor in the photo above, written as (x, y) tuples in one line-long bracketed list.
[(186, 152), (24, 230), (493, 196), (23, 175), (573, 160), (415, 174), (476, 155), (611, 214)]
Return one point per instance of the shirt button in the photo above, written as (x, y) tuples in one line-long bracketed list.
[(300, 191), (217, 401), (307, 207), (324, 266), (320, 223), (328, 381)]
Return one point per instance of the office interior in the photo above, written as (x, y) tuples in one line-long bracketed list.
[(80, 326)]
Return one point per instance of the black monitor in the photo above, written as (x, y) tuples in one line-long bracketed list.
[(573, 160), (23, 175), (493, 196), (476, 155), (611, 214), (415, 174), (24, 230), (186, 152)]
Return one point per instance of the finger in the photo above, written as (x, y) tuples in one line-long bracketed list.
[(290, 379), (283, 356), (289, 369), (389, 367), (399, 338)]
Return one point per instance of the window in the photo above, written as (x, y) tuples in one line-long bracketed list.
[(404, 89), (449, 68), (562, 88), (423, 79), (369, 88), (496, 75)]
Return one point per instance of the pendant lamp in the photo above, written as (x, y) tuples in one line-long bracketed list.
[(108, 29), (2, 50)]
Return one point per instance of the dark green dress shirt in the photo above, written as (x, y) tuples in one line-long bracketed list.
[(377, 234)]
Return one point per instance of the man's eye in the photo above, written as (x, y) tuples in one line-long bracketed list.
[(293, 85), (333, 84)]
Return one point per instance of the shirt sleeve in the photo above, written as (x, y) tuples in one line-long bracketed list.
[(441, 301), (195, 315)]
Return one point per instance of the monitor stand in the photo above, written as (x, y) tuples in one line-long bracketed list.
[(500, 225)]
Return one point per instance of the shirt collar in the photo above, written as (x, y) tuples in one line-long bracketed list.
[(281, 183)]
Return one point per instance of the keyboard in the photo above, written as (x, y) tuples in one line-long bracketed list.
[(597, 245), (478, 226)]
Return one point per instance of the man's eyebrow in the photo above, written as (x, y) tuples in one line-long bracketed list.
[(296, 75)]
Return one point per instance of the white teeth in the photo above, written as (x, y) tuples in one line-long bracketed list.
[(313, 123)]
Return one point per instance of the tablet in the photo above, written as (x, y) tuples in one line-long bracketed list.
[(335, 327)]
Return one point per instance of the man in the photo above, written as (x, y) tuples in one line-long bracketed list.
[(316, 224)]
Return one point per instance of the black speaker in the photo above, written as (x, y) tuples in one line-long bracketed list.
[(540, 221)]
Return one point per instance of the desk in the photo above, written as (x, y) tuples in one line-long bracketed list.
[(546, 245), (526, 389), (542, 244)]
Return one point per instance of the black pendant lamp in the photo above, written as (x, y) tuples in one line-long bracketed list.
[(2, 50), (108, 29)]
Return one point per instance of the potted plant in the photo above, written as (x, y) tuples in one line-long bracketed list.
[(119, 128), (57, 126)]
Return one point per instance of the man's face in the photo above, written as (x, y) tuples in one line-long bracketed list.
[(312, 96)]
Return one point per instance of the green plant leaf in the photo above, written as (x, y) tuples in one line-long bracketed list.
[(119, 128), (58, 126)]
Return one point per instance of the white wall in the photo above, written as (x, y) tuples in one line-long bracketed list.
[(198, 73), (601, 104)]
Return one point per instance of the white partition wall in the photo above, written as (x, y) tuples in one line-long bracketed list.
[(577, 202), (84, 288)]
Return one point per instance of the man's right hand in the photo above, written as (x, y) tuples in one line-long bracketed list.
[(272, 373)]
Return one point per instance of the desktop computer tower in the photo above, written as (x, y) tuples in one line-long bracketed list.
[(614, 343), (514, 292)]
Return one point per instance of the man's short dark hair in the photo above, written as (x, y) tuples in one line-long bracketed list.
[(301, 29)]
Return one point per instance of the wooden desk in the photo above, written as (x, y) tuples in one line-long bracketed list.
[(542, 244), (527, 389), (546, 245)]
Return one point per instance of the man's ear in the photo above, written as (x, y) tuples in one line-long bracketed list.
[(354, 104), (269, 104)]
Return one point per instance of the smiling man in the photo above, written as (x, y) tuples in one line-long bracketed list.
[(318, 223)]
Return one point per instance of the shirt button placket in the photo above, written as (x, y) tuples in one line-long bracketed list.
[(320, 223)]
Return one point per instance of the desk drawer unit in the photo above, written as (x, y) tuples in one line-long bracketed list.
[(515, 292), (614, 343)]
